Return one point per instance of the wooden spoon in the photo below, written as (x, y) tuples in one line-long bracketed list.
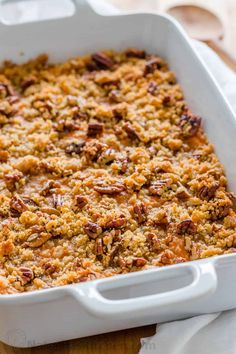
[(205, 26)]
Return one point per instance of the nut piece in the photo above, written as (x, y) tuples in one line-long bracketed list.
[(94, 129), (166, 100), (111, 189), (49, 187), (140, 211), (119, 112), (114, 252), (98, 249), (49, 268), (92, 229), (208, 192), (189, 124), (17, 204), (152, 65), (135, 53), (220, 211), (11, 179), (232, 197), (75, 148), (116, 223), (102, 61), (139, 262), (5, 90), (27, 274), (158, 187), (131, 131), (29, 201), (152, 88), (30, 80), (38, 239), (186, 226), (80, 201), (107, 156)]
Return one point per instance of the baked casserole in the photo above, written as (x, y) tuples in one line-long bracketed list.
[(104, 171)]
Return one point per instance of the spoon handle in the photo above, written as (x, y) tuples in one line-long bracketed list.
[(219, 48)]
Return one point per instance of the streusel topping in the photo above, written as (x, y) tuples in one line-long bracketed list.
[(104, 170)]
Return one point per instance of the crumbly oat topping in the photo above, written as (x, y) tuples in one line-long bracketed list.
[(104, 170)]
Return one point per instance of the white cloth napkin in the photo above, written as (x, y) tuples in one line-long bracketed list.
[(206, 334)]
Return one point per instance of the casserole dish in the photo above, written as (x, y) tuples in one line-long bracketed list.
[(139, 298)]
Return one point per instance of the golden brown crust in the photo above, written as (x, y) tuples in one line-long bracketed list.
[(103, 170)]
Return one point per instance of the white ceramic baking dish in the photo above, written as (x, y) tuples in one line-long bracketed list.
[(144, 297)]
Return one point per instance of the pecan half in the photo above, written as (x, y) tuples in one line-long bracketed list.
[(38, 239), (75, 148), (110, 189), (114, 252), (29, 201), (189, 124), (94, 129), (93, 149), (50, 187), (208, 192), (167, 257), (27, 274), (139, 262), (152, 65), (121, 262), (49, 268), (92, 229), (158, 187), (186, 226), (116, 223), (102, 61), (80, 201), (130, 131), (140, 211), (98, 248), (135, 53), (11, 179), (17, 204), (57, 200)]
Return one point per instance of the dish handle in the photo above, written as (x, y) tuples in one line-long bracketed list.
[(91, 294)]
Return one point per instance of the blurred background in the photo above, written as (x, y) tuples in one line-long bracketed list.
[(211, 21)]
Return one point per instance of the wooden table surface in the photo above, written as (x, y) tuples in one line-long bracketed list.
[(127, 341)]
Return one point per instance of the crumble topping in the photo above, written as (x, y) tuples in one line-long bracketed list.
[(104, 170)]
